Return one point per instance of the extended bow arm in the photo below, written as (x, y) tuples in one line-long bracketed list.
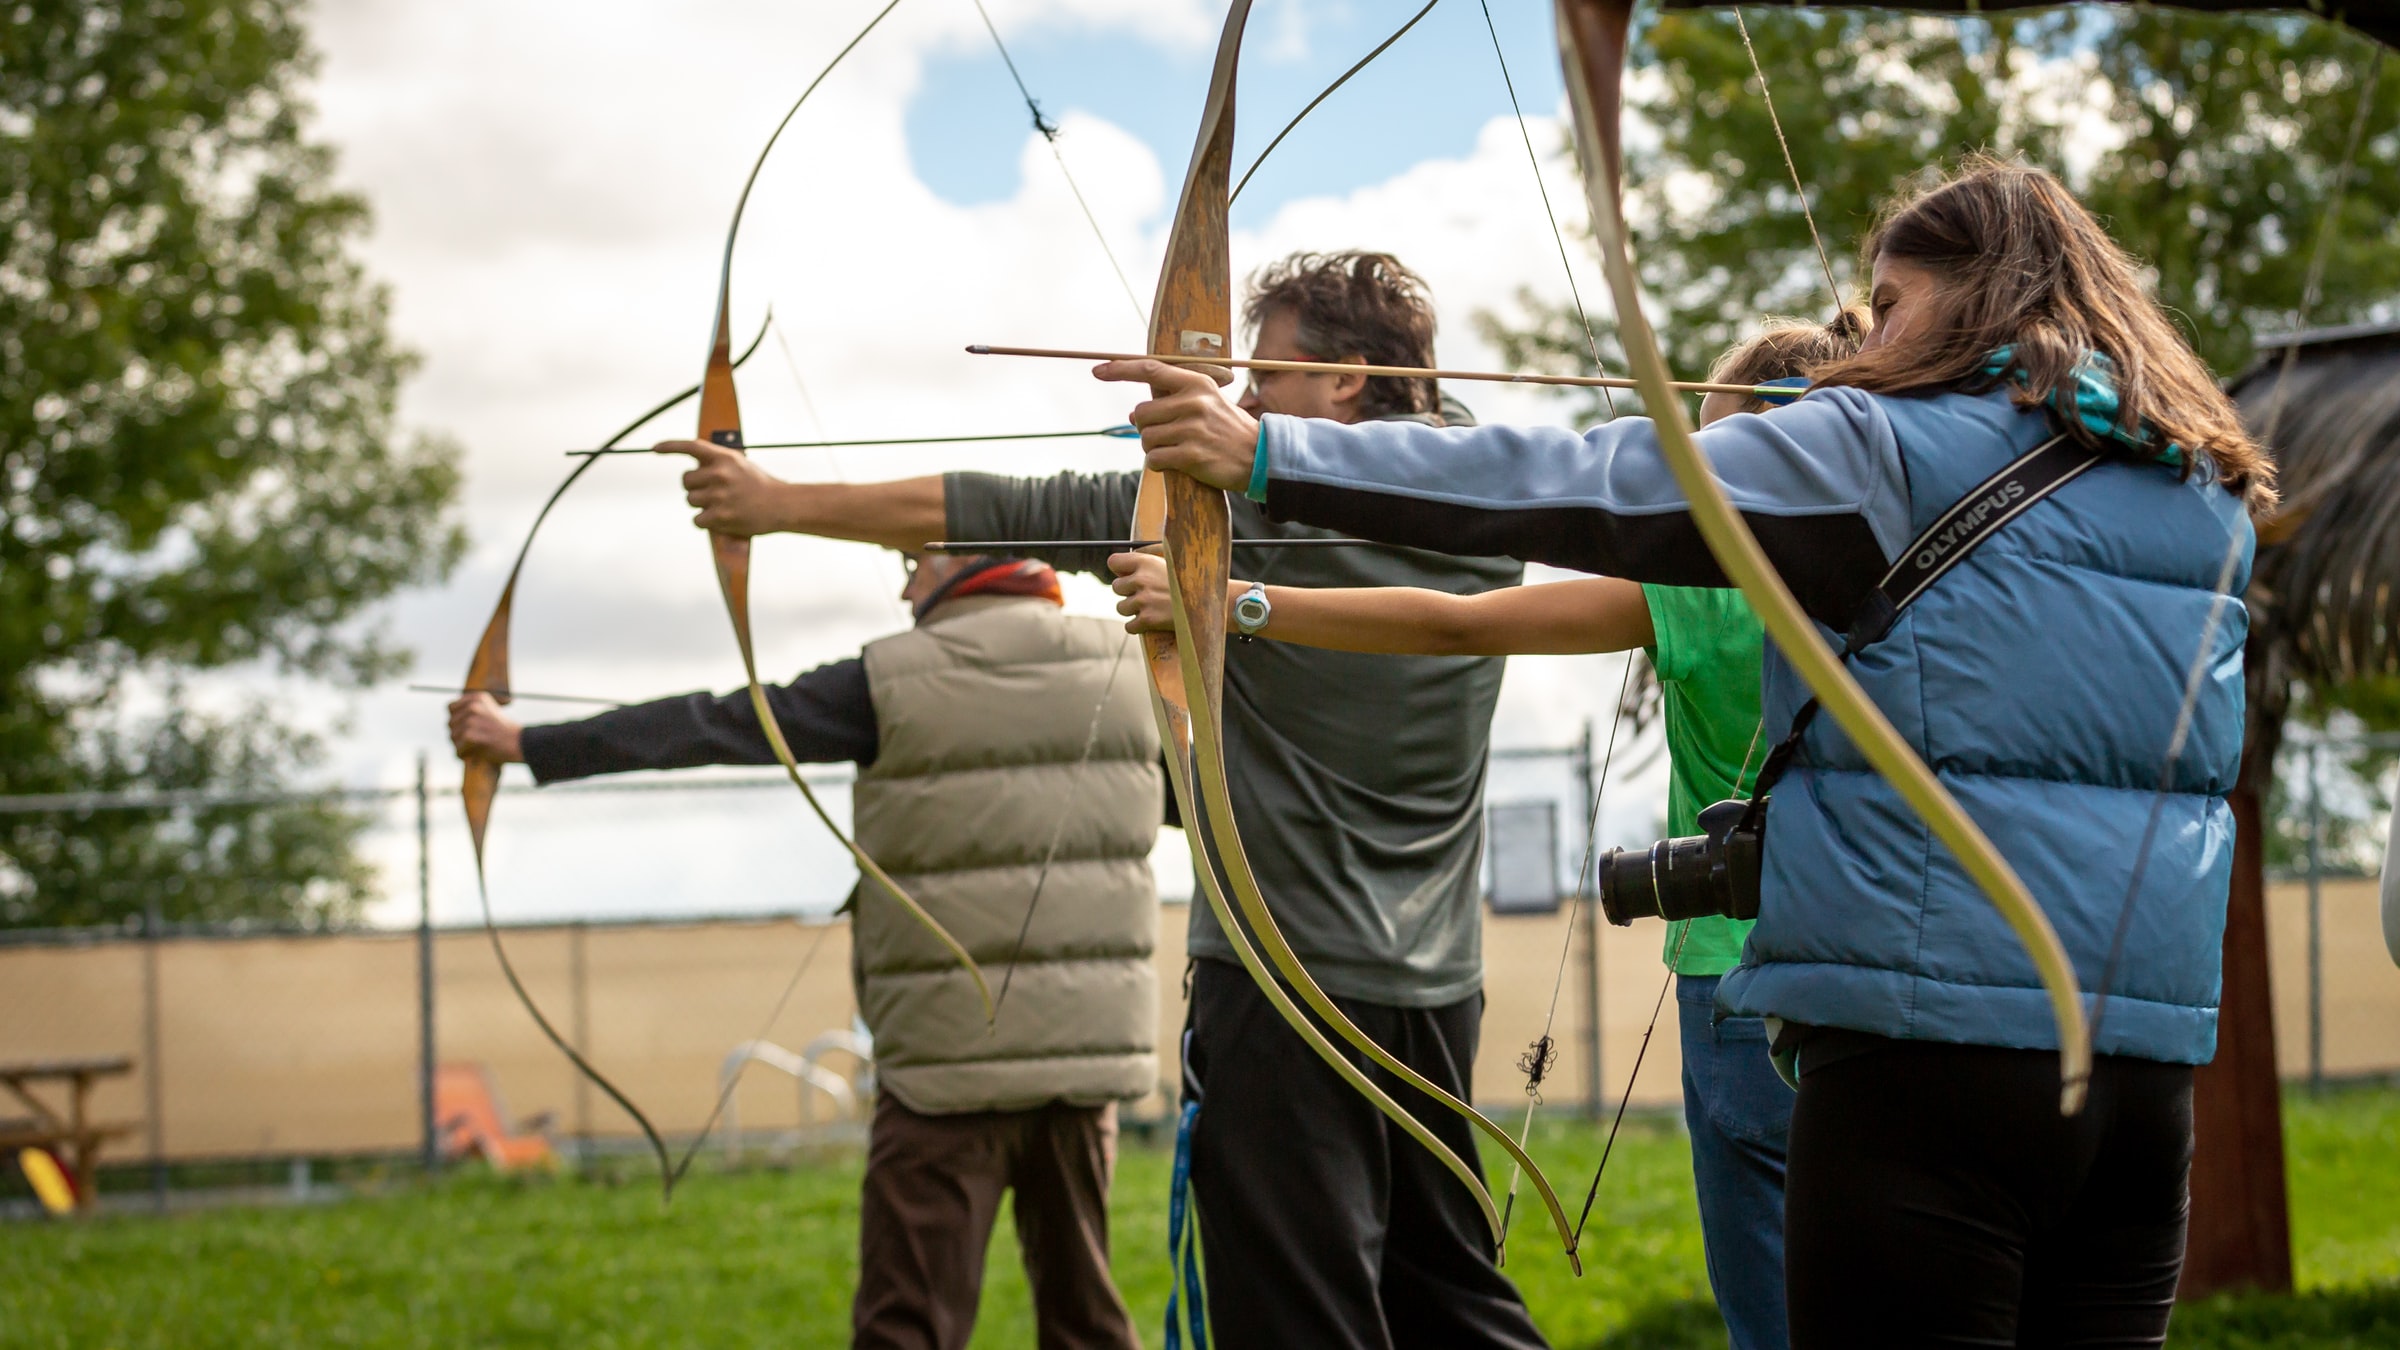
[(1593, 36)]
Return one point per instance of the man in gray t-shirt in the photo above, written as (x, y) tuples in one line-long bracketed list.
[(1358, 782)]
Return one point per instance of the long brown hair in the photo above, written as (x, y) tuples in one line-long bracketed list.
[(2022, 264)]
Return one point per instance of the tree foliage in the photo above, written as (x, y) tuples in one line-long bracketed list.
[(2208, 143), (199, 467)]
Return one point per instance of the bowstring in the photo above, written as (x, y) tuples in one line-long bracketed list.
[(1642, 1052), (2220, 600), (1058, 831), (808, 401), (1324, 94), (1583, 316), (725, 1093), (1766, 95), (825, 443), (1583, 886), (1583, 897), (1050, 131)]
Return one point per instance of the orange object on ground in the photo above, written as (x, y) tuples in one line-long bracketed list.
[(49, 1180), (466, 1103)]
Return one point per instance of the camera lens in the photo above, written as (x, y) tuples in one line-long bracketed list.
[(1671, 879), (1629, 884)]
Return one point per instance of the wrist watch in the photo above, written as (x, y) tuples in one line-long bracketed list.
[(1251, 612)]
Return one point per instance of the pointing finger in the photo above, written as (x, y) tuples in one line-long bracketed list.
[(1162, 377)]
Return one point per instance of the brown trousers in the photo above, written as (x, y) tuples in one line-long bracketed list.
[(931, 1195)]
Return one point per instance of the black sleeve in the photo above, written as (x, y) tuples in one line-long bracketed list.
[(1063, 506), (827, 716)]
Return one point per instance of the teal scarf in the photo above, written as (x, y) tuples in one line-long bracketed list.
[(2091, 399)]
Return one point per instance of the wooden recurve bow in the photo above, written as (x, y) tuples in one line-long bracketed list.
[(721, 424), (479, 779), (1593, 38), (1192, 315)]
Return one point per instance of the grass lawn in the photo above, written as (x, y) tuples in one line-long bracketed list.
[(767, 1258)]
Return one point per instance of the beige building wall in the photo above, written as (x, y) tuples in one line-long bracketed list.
[(278, 1045)]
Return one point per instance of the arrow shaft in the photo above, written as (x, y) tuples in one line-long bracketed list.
[(1402, 372), (1122, 432), (1127, 545), (512, 695)]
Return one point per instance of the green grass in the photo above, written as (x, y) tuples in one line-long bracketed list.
[(768, 1257)]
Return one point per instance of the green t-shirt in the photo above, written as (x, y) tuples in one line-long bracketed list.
[(1708, 654)]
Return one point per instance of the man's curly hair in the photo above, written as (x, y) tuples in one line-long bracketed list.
[(1355, 306)]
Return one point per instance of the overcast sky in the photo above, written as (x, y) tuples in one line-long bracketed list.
[(551, 184)]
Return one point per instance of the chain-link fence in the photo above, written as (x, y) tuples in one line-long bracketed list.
[(252, 1043)]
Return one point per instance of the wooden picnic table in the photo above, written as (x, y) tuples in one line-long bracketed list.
[(72, 1128)]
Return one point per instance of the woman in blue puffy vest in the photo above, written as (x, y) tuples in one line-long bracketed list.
[(1935, 1194)]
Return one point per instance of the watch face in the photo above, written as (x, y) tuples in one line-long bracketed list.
[(1251, 611)]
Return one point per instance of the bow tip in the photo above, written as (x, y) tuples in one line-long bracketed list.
[(2072, 1092)]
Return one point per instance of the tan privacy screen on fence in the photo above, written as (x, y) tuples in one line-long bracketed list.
[(309, 1045)]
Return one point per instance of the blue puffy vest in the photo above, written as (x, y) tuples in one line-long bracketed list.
[(2041, 680)]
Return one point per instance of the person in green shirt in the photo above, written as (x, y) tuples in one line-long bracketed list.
[(1707, 648)]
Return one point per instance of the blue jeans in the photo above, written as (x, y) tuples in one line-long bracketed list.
[(1740, 1115)]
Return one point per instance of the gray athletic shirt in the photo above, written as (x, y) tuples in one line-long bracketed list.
[(1357, 779)]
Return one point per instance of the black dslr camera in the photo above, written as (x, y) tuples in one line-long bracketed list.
[(1713, 872)]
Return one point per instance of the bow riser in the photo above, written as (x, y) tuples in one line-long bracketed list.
[(1593, 38), (721, 424), (1192, 315), (479, 779)]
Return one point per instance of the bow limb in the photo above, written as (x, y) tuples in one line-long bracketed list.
[(487, 670), (1593, 37), (479, 779), (721, 424), (1192, 316)]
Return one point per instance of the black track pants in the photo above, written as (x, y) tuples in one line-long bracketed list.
[(1937, 1198), (1322, 1224)]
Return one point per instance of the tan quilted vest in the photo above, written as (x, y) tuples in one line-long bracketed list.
[(984, 711)]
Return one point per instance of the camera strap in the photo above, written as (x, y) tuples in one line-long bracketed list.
[(1984, 511)]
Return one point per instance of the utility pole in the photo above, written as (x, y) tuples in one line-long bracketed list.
[(2316, 926), (1586, 773), (153, 1081), (425, 1048), (579, 977)]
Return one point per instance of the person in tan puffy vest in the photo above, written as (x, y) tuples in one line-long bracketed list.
[(1009, 780)]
